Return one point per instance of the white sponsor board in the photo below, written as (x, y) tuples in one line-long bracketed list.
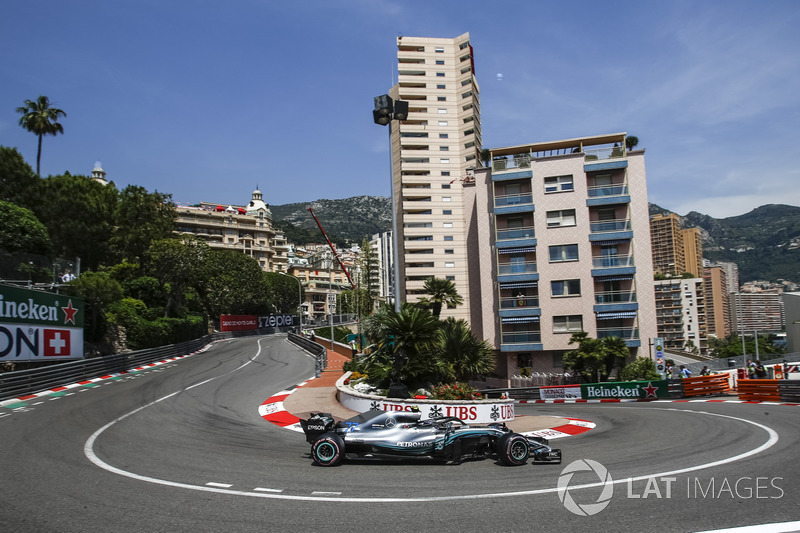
[(34, 342), (474, 412), (560, 392)]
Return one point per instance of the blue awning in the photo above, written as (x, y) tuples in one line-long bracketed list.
[(521, 285), (518, 250), (519, 319), (620, 314), (613, 278), (615, 241)]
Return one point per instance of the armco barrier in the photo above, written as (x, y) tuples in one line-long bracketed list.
[(759, 390), (789, 390), (702, 385), (22, 382)]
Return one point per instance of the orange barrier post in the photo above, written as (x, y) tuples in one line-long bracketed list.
[(759, 390), (701, 385)]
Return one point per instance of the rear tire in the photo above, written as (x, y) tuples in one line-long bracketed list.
[(513, 449), (328, 449)]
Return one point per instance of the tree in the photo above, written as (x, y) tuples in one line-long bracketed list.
[(17, 181), (468, 357), (641, 368), (78, 213), (21, 231), (486, 157), (140, 217), (99, 290), (631, 141), (595, 358), (282, 293), (440, 292), (178, 264), (41, 119)]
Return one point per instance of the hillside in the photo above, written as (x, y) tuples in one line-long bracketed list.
[(348, 219)]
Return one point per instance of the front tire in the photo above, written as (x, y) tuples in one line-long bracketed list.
[(513, 449), (328, 449)]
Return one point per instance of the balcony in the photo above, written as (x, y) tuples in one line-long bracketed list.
[(612, 265), (602, 230), (517, 166), (629, 334), (615, 301), (508, 234), (606, 158), (599, 191), (519, 306), (521, 337), (524, 267), (505, 200)]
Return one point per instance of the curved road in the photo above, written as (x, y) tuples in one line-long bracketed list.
[(181, 447)]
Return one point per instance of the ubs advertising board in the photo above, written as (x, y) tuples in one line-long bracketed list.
[(39, 326)]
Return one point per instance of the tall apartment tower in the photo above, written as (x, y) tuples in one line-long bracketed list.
[(432, 152), (675, 250), (560, 243), (718, 316)]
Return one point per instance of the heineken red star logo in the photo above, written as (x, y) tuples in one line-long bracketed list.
[(69, 311), (650, 391)]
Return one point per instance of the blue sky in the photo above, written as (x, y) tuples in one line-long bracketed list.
[(208, 99)]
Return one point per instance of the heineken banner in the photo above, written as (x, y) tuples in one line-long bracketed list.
[(39, 326), (625, 390)]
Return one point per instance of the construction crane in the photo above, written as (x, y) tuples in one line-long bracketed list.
[(333, 249)]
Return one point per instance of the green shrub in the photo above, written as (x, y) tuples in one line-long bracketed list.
[(640, 369), (456, 391)]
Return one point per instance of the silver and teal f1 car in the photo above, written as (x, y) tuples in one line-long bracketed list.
[(394, 435)]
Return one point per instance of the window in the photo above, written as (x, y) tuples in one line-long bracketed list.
[(441, 98), (440, 61), (450, 278), (447, 212), (563, 252), (447, 225), (448, 237), (449, 251), (558, 184), (443, 123), (440, 74), (567, 324), (565, 217), (442, 111), (443, 135), (444, 161), (447, 199), (438, 50), (445, 173), (441, 86), (449, 264), (566, 287), (444, 148)]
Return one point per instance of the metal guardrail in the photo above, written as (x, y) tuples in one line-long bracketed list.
[(319, 352), (23, 382)]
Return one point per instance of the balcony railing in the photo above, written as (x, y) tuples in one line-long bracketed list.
[(513, 199), (521, 337), (597, 191), (623, 333), (525, 267), (607, 261), (518, 302), (606, 226), (609, 152), (515, 233), (517, 161), (614, 297)]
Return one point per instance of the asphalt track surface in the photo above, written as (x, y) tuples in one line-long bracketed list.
[(182, 447)]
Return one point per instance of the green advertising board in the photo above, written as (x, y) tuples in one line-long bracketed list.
[(625, 390), (39, 325)]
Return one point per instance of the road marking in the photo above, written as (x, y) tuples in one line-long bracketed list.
[(220, 485), (262, 489)]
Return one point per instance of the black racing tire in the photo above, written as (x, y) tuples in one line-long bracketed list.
[(513, 449), (328, 449)]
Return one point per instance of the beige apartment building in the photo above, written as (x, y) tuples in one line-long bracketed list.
[(247, 229), (560, 243), (681, 314), (675, 250), (718, 316), (432, 152)]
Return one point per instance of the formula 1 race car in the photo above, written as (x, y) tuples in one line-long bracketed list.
[(392, 435)]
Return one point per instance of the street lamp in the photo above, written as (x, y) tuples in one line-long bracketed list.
[(385, 111), (299, 296)]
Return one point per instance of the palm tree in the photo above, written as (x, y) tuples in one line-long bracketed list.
[(440, 291), (631, 141), (468, 357), (38, 117)]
